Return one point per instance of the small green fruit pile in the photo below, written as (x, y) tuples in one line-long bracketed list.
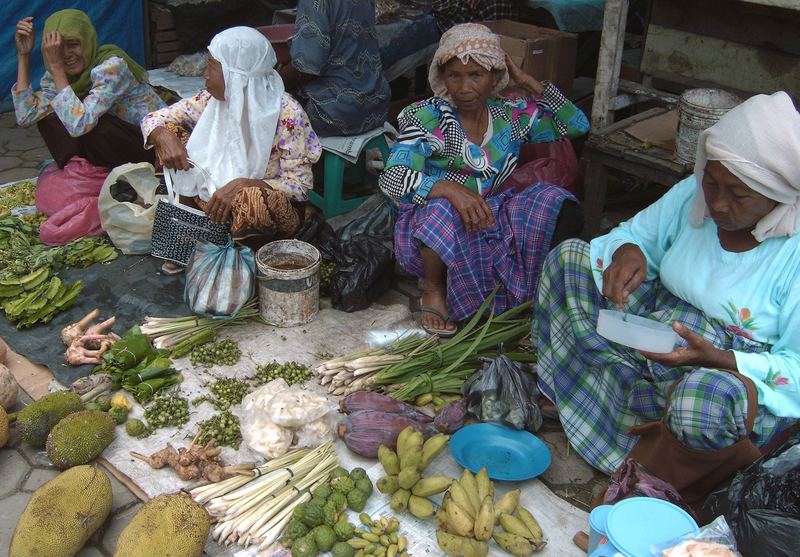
[(223, 353), (291, 373), (224, 427), (167, 409)]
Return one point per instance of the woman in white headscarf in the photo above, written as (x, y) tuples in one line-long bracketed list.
[(717, 257), (250, 145)]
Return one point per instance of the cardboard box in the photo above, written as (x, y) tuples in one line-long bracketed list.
[(541, 52)]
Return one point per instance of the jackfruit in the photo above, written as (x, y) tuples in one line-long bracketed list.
[(3, 428), (36, 420), (168, 526), (63, 514), (80, 438)]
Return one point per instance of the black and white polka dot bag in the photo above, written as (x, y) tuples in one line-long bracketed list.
[(177, 227)]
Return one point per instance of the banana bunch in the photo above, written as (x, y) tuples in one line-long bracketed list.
[(438, 400), (468, 516), (380, 538), (36, 297), (404, 468)]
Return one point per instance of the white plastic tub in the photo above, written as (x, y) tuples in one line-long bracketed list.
[(636, 332)]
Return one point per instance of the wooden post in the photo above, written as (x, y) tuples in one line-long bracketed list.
[(609, 62)]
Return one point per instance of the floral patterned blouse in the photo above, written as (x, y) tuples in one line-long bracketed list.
[(295, 148), (115, 90), (754, 294), (432, 145)]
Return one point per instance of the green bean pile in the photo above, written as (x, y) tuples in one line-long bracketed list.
[(291, 373), (224, 353), (224, 427), (167, 409), (227, 392)]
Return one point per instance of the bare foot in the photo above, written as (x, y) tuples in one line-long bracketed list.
[(436, 300)]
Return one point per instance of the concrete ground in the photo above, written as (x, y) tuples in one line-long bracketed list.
[(22, 469)]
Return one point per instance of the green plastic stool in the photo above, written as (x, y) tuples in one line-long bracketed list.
[(331, 202)]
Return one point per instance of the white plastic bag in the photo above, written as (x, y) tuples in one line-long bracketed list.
[(313, 434), (258, 430), (129, 224), (295, 407)]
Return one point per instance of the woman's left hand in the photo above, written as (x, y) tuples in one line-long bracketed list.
[(518, 78), (698, 352), (51, 48), (220, 206)]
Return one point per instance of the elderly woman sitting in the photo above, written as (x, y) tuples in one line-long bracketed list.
[(717, 257), (457, 228), (250, 150)]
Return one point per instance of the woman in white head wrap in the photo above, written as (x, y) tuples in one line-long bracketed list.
[(250, 146), (717, 257)]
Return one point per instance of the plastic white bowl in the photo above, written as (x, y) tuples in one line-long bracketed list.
[(636, 332)]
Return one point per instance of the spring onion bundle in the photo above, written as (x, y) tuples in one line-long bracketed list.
[(184, 333)]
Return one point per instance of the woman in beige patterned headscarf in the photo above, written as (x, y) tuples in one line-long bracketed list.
[(457, 228)]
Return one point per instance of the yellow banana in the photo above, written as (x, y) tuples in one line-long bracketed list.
[(459, 495), (420, 507), (408, 477), (513, 544), (399, 502), (485, 486), (513, 525), (469, 484), (531, 524), (484, 521), (507, 504), (389, 460), (432, 448), (458, 521), (401, 439), (411, 454), (431, 486)]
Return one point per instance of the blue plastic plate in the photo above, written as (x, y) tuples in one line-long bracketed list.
[(506, 453)]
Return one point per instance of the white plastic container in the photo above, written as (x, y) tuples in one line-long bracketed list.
[(636, 332)]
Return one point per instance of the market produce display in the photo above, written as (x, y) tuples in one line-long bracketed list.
[(9, 390), (21, 194), (30, 291), (74, 504), (224, 393), (224, 427), (415, 366), (467, 518), (379, 537), (35, 421), (167, 408), (173, 525), (170, 332), (291, 372), (404, 481), (256, 510), (195, 461), (79, 438), (137, 367), (221, 353)]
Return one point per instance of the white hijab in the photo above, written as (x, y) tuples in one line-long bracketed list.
[(233, 138), (759, 142)]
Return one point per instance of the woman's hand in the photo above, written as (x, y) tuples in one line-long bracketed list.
[(220, 206), (475, 212), (24, 37), (518, 78), (697, 353), (627, 271), (169, 149), (51, 47)]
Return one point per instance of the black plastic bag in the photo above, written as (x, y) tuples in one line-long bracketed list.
[(367, 273), (762, 504), (504, 391), (317, 232)]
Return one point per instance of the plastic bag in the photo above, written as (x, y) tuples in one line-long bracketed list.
[(713, 540), (127, 206), (219, 279), (504, 391), (69, 197), (551, 163), (296, 407), (313, 434), (258, 431), (762, 504)]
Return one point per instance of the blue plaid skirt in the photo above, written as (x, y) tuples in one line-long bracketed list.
[(510, 253), (602, 389)]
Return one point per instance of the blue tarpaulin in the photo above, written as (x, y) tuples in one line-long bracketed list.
[(120, 23)]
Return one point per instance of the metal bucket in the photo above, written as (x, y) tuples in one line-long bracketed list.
[(288, 282), (699, 109)]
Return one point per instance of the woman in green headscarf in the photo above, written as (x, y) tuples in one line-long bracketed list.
[(92, 97)]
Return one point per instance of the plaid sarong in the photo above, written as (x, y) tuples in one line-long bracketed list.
[(602, 389), (510, 253)]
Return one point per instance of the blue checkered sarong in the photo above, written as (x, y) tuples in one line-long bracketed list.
[(510, 253), (602, 389)]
